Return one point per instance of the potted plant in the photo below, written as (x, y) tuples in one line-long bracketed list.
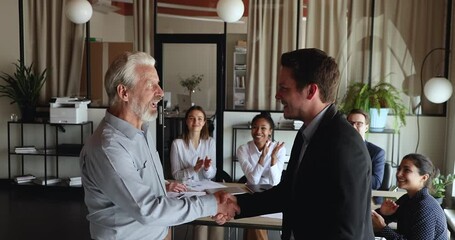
[(191, 83), (439, 184), (374, 98), (23, 87)]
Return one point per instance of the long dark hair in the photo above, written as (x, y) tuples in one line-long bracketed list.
[(424, 165)]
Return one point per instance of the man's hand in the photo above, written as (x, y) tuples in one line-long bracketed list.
[(176, 187), (227, 207)]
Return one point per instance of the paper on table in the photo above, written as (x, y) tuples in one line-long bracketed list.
[(200, 186), (274, 215), (231, 190), (184, 194)]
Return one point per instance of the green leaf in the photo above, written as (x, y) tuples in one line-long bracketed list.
[(23, 86), (361, 95)]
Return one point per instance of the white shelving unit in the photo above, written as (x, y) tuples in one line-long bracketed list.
[(239, 79)]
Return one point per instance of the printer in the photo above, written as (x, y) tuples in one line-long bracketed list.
[(68, 110)]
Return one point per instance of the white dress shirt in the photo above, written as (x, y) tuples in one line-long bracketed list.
[(248, 156), (184, 157)]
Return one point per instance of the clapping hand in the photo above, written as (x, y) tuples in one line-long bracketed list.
[(378, 221), (227, 207), (388, 207), (199, 164), (275, 152), (207, 163)]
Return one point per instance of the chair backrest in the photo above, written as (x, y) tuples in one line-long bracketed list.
[(222, 176), (387, 180), (242, 179)]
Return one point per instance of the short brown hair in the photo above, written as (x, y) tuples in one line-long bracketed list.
[(312, 65), (360, 111)]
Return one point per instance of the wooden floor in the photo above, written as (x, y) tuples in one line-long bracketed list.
[(34, 212)]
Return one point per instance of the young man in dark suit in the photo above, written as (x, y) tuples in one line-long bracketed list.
[(326, 191)]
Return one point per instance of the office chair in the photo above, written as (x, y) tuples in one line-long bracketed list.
[(223, 176), (242, 179), (386, 182), (387, 179)]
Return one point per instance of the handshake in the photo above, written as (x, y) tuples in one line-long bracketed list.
[(227, 207)]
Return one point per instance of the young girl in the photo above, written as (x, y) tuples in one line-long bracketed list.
[(417, 214)]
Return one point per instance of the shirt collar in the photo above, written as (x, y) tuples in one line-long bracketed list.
[(308, 131), (123, 126)]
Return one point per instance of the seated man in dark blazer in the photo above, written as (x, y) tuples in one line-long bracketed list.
[(360, 120)]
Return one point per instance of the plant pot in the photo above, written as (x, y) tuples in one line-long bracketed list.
[(28, 113), (439, 200), (378, 119)]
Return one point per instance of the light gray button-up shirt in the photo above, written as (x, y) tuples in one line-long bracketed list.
[(124, 185)]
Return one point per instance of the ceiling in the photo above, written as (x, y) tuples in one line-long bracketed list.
[(206, 8)]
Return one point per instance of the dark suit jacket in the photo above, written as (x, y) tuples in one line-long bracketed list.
[(377, 156), (331, 197)]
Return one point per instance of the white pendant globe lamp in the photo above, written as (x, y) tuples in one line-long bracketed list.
[(79, 11), (438, 89), (230, 10)]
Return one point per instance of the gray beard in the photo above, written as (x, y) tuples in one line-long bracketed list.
[(143, 113)]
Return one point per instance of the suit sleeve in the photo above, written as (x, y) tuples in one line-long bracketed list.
[(377, 166)]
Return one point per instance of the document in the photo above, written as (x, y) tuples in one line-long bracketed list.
[(231, 190), (200, 186), (274, 215), (180, 195)]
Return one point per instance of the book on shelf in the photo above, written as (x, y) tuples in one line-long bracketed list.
[(76, 178), (46, 151), (25, 149), (24, 178), (240, 49), (50, 180), (240, 67), (74, 181)]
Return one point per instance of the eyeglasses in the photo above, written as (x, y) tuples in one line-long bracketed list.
[(357, 124)]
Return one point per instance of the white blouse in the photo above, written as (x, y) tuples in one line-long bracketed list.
[(184, 157), (248, 156)]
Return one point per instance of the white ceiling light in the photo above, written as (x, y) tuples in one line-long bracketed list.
[(230, 10), (79, 11), (438, 89)]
